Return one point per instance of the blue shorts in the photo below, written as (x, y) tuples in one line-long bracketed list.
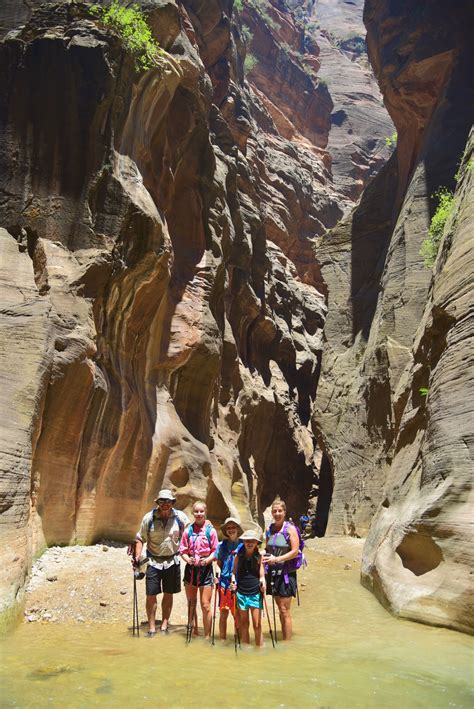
[(244, 601)]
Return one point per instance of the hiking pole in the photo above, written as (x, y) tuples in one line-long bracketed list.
[(216, 590), (191, 608), (190, 625), (135, 567), (297, 593), (236, 627), (188, 638), (268, 617), (273, 608), (192, 603), (136, 604), (135, 607)]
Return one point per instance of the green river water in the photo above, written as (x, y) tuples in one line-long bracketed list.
[(347, 652)]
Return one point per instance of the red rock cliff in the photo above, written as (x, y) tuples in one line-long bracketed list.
[(162, 307)]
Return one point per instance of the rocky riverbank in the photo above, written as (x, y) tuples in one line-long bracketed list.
[(94, 584)]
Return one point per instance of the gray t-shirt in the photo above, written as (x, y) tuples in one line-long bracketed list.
[(162, 537)]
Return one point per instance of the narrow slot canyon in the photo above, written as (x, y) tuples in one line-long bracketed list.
[(212, 280)]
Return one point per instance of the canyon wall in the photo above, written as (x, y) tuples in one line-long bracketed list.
[(395, 401), (190, 300), (162, 310)]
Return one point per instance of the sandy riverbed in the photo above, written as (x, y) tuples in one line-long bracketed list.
[(94, 584)]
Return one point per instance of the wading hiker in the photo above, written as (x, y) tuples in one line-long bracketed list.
[(161, 530), (231, 530), (282, 558), (248, 579), (198, 547)]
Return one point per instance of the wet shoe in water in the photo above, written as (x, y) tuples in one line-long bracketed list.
[(151, 634)]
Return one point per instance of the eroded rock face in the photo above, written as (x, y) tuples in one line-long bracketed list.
[(395, 328), (312, 71), (359, 121), (418, 557), (162, 309)]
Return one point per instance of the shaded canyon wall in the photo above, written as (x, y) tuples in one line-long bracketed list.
[(395, 401), (162, 310)]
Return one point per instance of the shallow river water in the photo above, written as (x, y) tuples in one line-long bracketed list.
[(347, 652)]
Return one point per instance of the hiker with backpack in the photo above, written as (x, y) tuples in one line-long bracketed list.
[(161, 530), (283, 555), (248, 580), (198, 547), (226, 551)]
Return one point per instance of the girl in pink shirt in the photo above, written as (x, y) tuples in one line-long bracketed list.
[(198, 547)]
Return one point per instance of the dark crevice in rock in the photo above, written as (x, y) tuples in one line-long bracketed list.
[(325, 490), (372, 225)]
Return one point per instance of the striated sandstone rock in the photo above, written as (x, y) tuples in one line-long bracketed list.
[(167, 320), (393, 327), (418, 558), (359, 121), (303, 52)]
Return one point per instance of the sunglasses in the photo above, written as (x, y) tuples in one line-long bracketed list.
[(164, 502)]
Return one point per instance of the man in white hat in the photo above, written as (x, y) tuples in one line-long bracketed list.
[(161, 530)]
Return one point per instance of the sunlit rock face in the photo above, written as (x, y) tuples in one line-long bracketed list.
[(395, 398), (162, 308), (315, 81), (359, 121)]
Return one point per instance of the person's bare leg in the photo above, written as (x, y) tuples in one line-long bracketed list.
[(166, 608), (223, 615), (243, 623), (191, 595), (284, 607), (257, 625), (151, 613), (206, 595)]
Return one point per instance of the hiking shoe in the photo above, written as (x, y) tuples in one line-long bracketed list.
[(151, 634)]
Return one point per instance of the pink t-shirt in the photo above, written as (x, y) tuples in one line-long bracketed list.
[(194, 541)]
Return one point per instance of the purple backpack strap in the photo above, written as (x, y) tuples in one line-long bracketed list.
[(284, 531)]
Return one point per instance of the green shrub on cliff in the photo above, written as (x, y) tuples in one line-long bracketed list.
[(250, 62), (246, 33), (261, 7), (429, 247), (132, 27)]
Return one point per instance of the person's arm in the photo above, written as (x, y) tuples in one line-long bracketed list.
[(138, 551), (184, 549), (140, 539)]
